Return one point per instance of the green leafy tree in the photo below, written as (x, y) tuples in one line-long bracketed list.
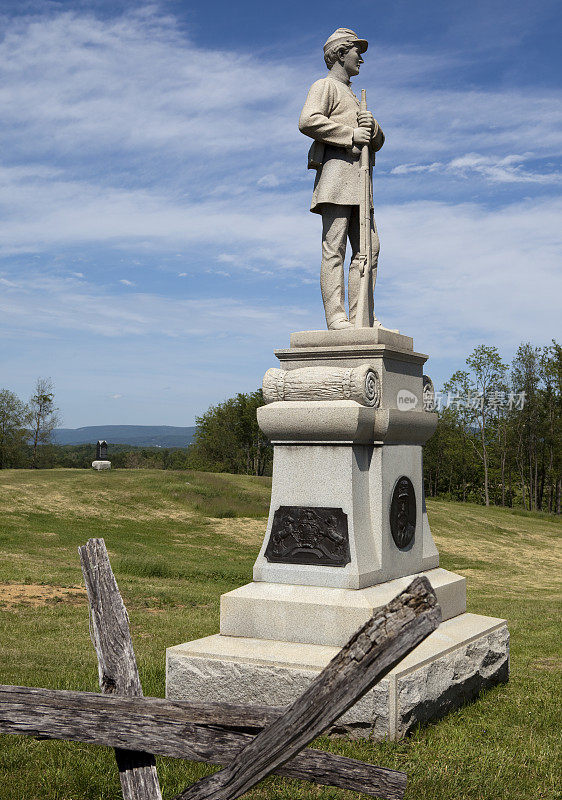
[(487, 377), (537, 429), (14, 418), (452, 467), (552, 370), (472, 393), (499, 438), (459, 445), (228, 439), (526, 378)]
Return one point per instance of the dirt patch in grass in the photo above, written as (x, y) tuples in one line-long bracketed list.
[(21, 498), (36, 594)]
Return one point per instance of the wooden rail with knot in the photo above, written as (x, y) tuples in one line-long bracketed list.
[(274, 740)]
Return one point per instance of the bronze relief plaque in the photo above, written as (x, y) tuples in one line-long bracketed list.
[(309, 535), (403, 513)]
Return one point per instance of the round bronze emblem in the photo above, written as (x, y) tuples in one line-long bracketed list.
[(403, 513)]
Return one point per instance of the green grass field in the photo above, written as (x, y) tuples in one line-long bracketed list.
[(177, 541)]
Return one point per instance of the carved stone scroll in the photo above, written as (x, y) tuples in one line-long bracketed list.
[(323, 383)]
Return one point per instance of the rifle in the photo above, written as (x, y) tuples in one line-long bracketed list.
[(364, 316)]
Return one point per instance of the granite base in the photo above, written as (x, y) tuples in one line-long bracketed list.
[(462, 657)]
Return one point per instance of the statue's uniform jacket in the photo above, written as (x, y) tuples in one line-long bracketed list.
[(329, 117)]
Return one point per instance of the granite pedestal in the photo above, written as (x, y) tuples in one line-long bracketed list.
[(347, 531), (101, 464)]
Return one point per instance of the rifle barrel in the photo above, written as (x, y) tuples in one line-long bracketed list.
[(362, 319)]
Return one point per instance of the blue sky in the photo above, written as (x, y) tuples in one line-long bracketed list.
[(156, 243)]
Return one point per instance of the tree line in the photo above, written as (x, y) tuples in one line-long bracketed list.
[(227, 439), (498, 438), (499, 435)]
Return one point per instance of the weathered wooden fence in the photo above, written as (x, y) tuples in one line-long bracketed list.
[(274, 739)]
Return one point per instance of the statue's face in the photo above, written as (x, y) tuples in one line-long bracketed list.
[(352, 61)]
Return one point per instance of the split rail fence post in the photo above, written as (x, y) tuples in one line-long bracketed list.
[(117, 665)]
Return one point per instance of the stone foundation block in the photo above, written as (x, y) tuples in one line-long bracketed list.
[(463, 656)]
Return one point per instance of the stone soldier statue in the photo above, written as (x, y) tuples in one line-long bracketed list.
[(332, 117)]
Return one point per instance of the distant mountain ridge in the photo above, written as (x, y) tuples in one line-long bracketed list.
[(136, 435)]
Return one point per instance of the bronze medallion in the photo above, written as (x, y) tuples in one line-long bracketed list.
[(403, 513), (306, 535)]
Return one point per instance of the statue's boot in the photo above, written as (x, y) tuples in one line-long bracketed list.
[(339, 324)]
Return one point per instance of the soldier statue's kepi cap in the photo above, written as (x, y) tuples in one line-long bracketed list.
[(345, 36)]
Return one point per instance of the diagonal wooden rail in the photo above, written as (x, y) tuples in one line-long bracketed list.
[(390, 634)]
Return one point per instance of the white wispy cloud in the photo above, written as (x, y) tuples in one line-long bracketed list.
[(269, 181), (409, 169), (509, 169), (435, 124), (465, 273), (57, 305), (132, 82), (83, 91), (126, 282), (131, 87)]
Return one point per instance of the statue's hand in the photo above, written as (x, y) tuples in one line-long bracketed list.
[(361, 136), (366, 120)]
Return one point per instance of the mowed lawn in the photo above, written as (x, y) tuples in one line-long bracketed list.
[(177, 541)]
